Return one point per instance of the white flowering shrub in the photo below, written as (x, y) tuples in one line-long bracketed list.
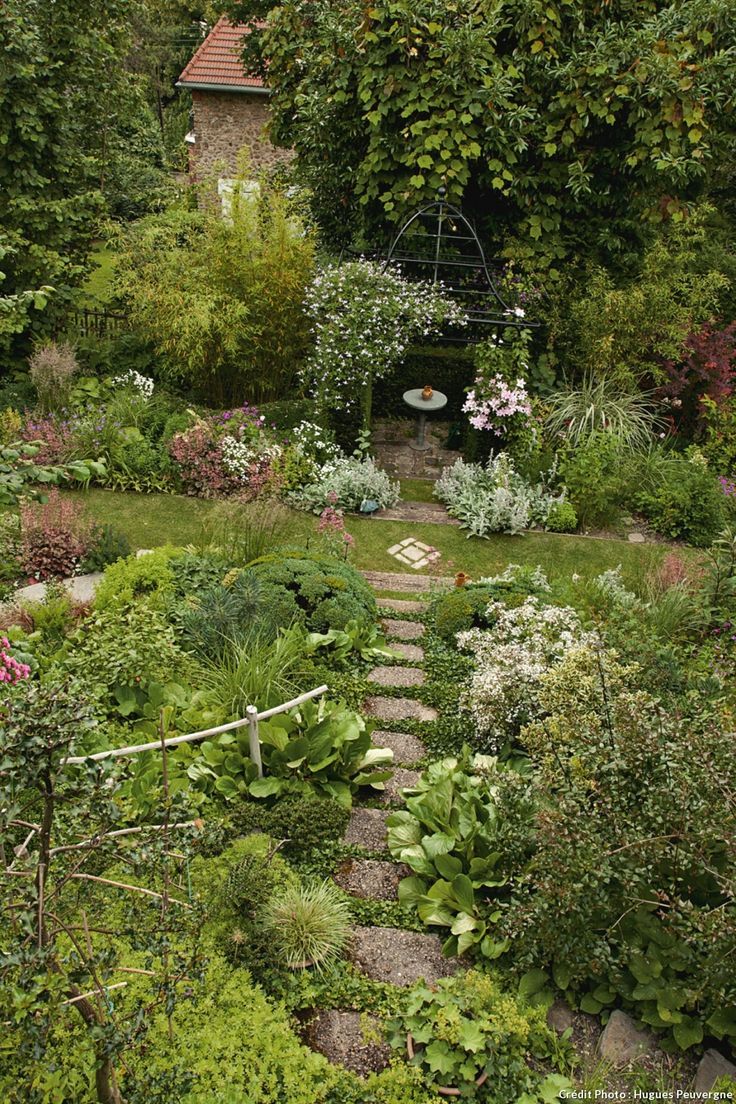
[(363, 321), (315, 443), (239, 457), (345, 484), (510, 659), (494, 498), (134, 380)]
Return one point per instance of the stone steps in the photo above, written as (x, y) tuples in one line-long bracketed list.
[(402, 605), (397, 709), (412, 653), (397, 677), (400, 957), (371, 879), (407, 749), (367, 828), (402, 630)]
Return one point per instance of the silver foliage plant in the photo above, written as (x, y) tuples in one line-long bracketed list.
[(345, 484), (494, 498)]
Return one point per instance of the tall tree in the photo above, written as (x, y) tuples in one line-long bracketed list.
[(59, 74), (569, 123)]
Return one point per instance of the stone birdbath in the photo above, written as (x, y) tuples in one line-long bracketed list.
[(424, 401)]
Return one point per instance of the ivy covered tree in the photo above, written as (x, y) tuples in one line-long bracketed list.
[(64, 98), (568, 124)]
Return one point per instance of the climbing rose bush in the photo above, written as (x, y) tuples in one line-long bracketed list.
[(363, 321), (510, 659)]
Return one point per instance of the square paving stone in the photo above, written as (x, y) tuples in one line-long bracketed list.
[(397, 676), (398, 709), (403, 630), (373, 879), (367, 828), (340, 1036), (407, 749), (400, 957)]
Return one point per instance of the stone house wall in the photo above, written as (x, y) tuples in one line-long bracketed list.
[(225, 122)]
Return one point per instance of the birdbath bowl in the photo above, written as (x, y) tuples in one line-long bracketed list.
[(423, 406)]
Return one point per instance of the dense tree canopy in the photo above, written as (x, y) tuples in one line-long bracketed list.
[(570, 122)]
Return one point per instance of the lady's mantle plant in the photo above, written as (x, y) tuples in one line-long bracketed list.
[(363, 321), (511, 658)]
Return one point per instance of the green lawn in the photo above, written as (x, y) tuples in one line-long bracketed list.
[(417, 490), (150, 520)]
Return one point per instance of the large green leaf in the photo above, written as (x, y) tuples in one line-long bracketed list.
[(265, 787), (688, 1033), (463, 890), (448, 866)]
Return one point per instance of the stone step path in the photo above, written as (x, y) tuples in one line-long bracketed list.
[(386, 954), (400, 957), (402, 630), (407, 749), (401, 605), (398, 709), (374, 879), (412, 653), (404, 583), (367, 828), (397, 676)]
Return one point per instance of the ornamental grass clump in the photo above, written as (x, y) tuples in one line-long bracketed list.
[(309, 925), (52, 368)]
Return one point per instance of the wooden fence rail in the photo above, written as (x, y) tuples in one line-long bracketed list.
[(251, 719)]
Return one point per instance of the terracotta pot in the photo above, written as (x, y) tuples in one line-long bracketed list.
[(442, 1089), (461, 579), (427, 392)]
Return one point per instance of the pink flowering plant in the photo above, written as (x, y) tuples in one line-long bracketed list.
[(499, 400), (333, 535), (11, 669), (228, 453)]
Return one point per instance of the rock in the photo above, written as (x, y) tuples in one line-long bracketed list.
[(713, 1066), (397, 676), (403, 630), (621, 1041), (407, 749), (341, 1037), (81, 588), (398, 709), (637, 538), (372, 879), (400, 957), (560, 1016), (367, 828)]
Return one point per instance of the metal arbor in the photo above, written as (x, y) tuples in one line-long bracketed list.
[(440, 245)]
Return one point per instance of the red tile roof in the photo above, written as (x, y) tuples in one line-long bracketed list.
[(217, 62)]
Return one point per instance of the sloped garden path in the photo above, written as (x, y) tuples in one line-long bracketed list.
[(391, 955)]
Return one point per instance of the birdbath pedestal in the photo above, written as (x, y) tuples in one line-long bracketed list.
[(416, 401)]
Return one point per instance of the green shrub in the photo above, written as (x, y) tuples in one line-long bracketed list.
[(628, 897), (463, 608), (684, 501), (561, 518), (302, 823), (594, 477), (240, 1047), (466, 607), (129, 579), (106, 546), (468, 1027), (322, 594)]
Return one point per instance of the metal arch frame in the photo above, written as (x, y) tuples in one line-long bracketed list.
[(444, 211)]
